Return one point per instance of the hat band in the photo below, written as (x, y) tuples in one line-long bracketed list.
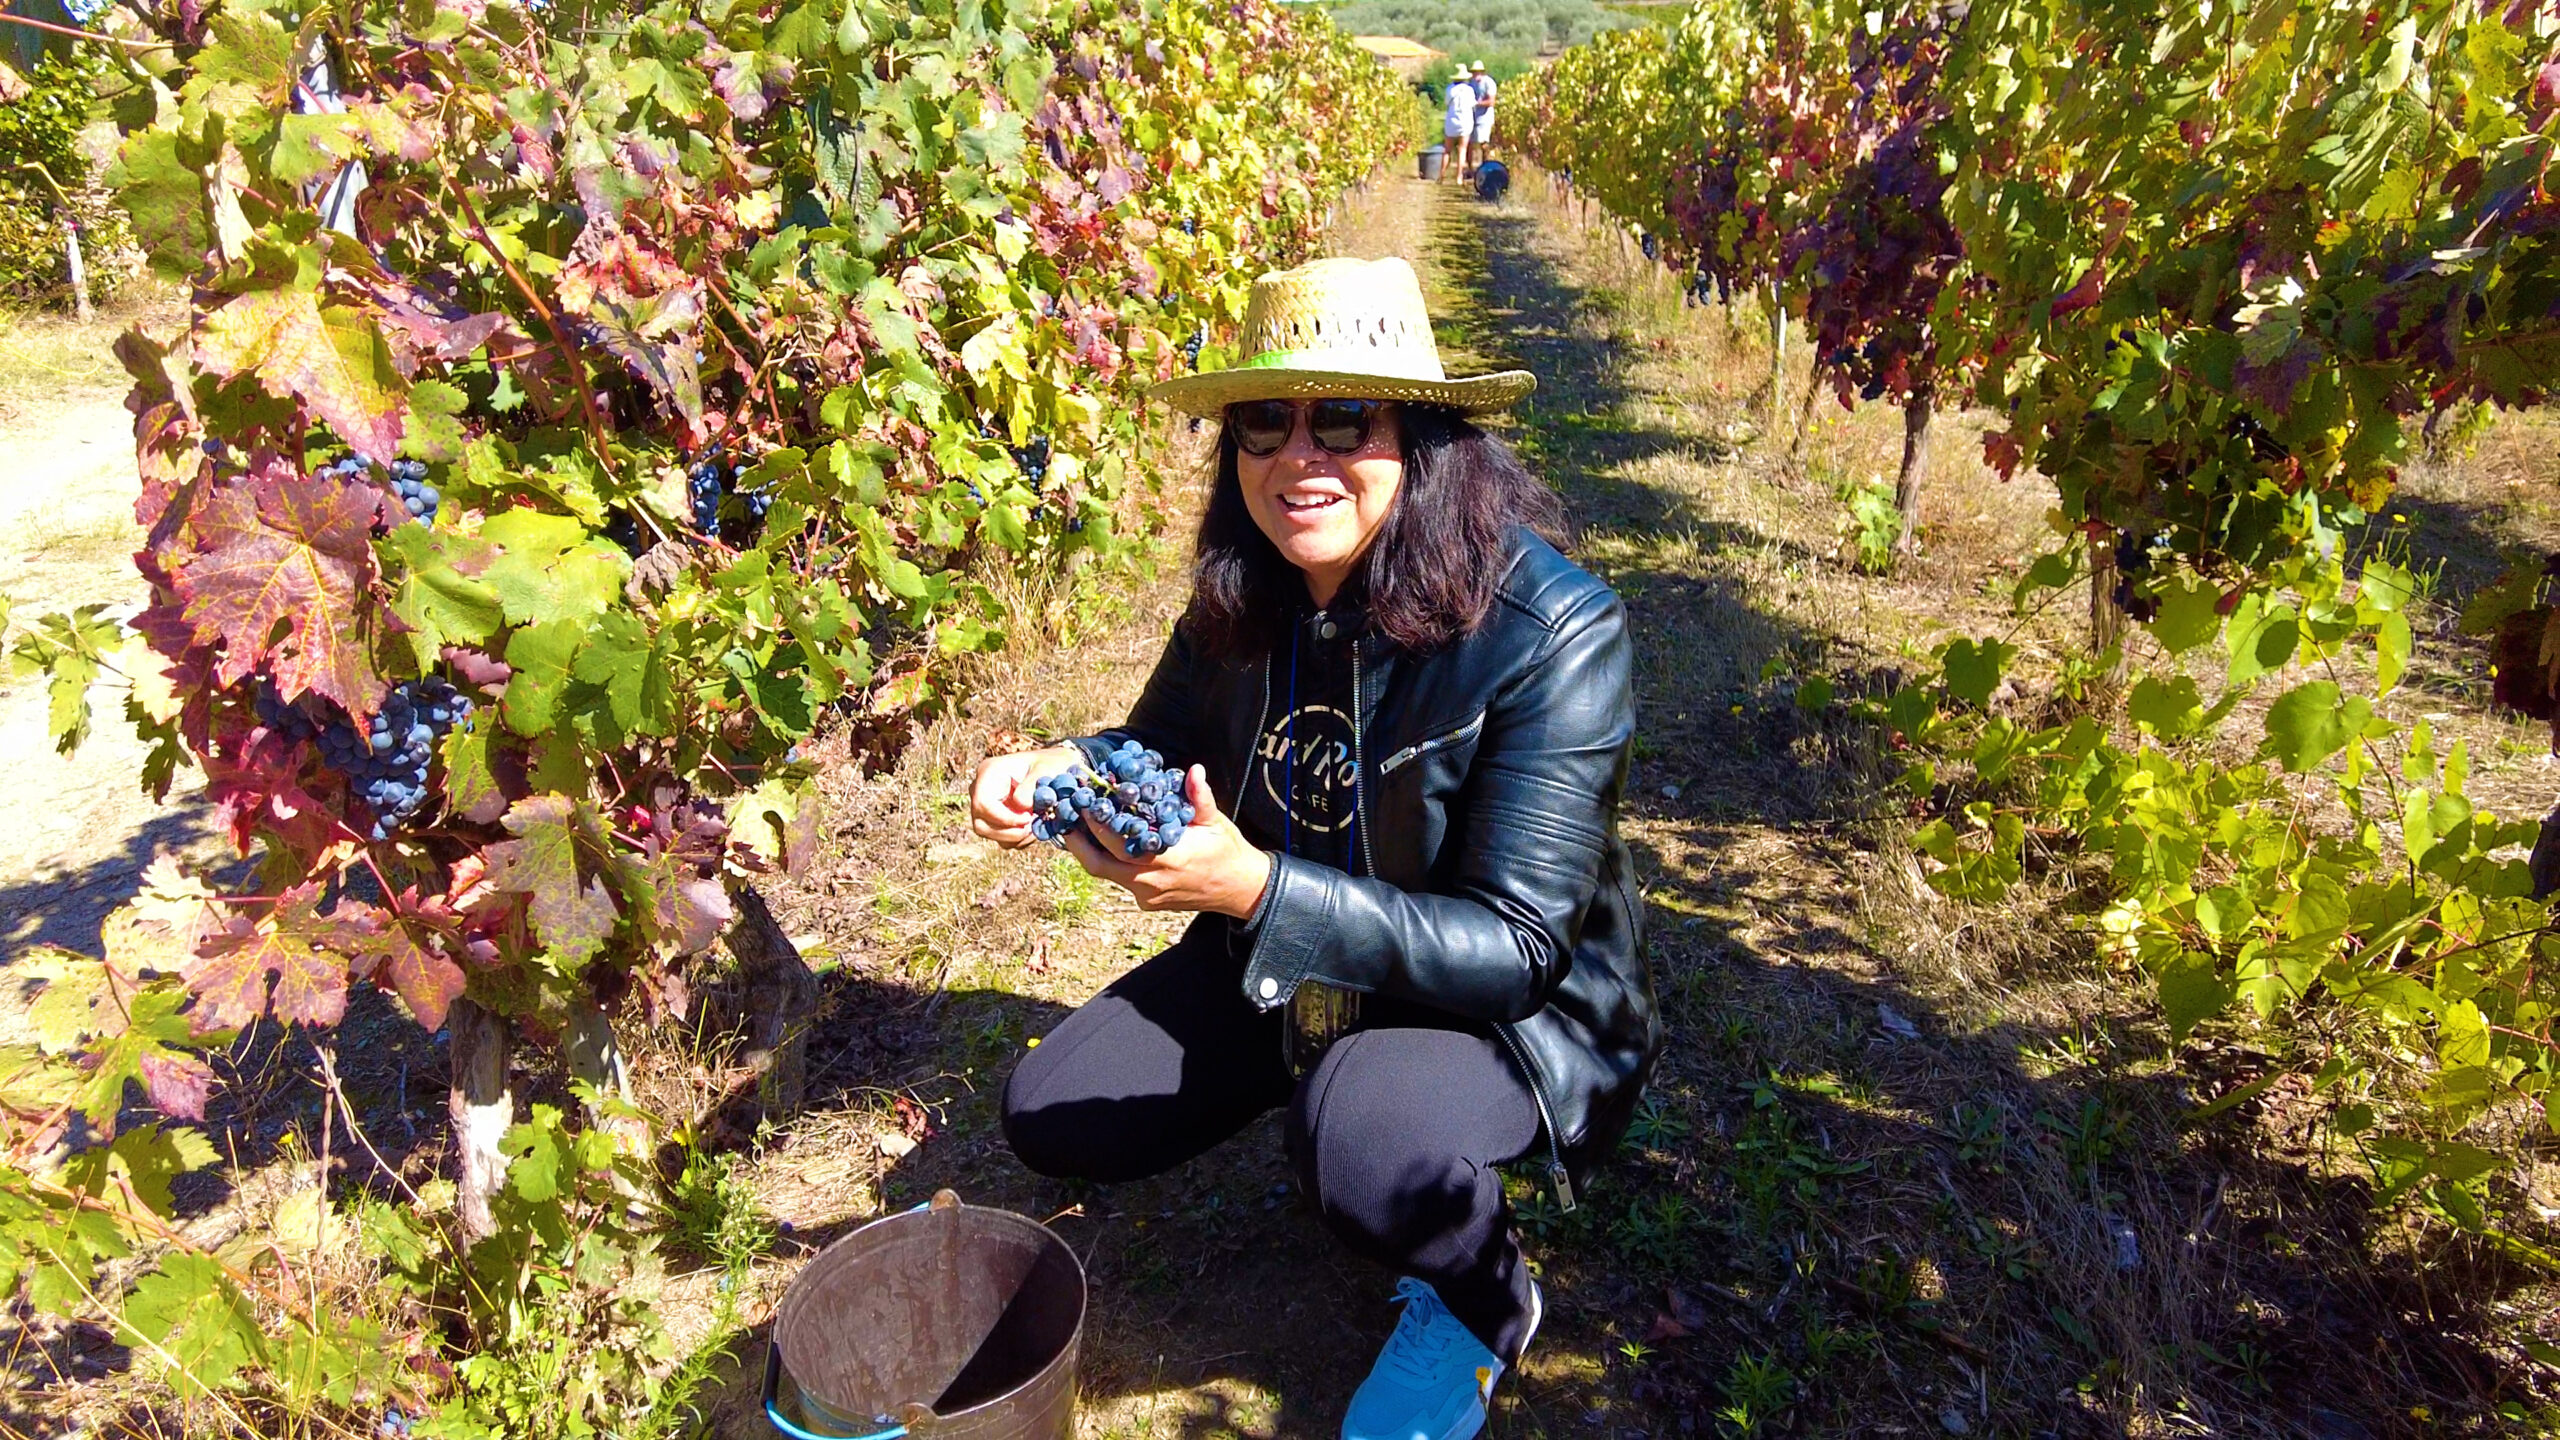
[(1366, 361)]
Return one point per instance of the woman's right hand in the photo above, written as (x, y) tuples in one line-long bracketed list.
[(1000, 793)]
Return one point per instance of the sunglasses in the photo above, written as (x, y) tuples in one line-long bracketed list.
[(1339, 427)]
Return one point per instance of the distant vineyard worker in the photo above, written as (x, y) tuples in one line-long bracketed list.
[(1485, 89), (1458, 127), (1406, 718)]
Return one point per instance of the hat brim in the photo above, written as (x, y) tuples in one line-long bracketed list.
[(1210, 392)]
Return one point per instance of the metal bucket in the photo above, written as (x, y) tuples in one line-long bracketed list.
[(950, 1321), (1492, 179), (1432, 161)]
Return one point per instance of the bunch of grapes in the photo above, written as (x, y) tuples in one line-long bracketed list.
[(1191, 347), (1135, 798), (708, 488), (623, 530), (703, 485), (386, 766), (286, 720), (409, 482), (1652, 246), (1033, 459)]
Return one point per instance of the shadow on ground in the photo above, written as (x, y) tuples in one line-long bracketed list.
[(68, 909)]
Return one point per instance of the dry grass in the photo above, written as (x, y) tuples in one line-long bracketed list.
[(48, 358)]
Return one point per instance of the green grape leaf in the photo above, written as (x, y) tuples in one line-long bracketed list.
[(2171, 708), (2192, 991), (557, 860), (532, 1148), (2392, 643), (471, 780), (2261, 638), (438, 593), (624, 659), (200, 1330), (1974, 668), (551, 569), (2312, 722), (541, 656), (435, 430), (2190, 614)]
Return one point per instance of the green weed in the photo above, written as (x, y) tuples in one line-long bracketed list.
[(1756, 1389)]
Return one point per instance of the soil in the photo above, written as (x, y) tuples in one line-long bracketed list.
[(83, 829)]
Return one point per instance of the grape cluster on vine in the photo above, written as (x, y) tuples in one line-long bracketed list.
[(720, 508), (1032, 459), (409, 483), (1135, 797), (418, 499), (386, 765), (1191, 347)]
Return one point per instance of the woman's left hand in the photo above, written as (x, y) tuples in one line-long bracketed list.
[(1214, 868)]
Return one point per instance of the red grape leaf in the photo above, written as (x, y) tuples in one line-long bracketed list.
[(230, 973), (557, 860), (687, 909), (282, 566), (178, 1083), (381, 949), (330, 359)]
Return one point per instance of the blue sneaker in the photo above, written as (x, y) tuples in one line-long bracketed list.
[(1434, 1378)]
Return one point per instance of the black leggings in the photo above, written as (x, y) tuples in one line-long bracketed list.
[(1395, 1135)]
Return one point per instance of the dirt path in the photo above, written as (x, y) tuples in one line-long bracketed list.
[(83, 829)]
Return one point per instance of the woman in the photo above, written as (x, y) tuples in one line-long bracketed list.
[(1406, 718), (1457, 127)]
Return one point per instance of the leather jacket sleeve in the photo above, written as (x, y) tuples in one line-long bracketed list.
[(1537, 811)]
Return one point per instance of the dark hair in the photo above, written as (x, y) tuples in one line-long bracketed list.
[(1427, 578)]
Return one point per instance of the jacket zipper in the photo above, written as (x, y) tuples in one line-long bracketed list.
[(1420, 748), (1359, 791), (1557, 1175)]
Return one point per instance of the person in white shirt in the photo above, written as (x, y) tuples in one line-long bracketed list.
[(1458, 126), (1483, 86)]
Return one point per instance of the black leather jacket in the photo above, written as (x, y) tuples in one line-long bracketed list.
[(1491, 882)]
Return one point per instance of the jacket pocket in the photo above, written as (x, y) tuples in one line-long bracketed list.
[(1420, 748)]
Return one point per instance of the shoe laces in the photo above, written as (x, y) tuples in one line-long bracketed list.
[(1421, 1341)]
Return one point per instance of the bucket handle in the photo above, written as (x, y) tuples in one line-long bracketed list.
[(773, 1406), (942, 1200)]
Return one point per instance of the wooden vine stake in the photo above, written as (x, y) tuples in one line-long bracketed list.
[(481, 1107), (2108, 622), (79, 270), (1778, 349), (1916, 414), (781, 996)]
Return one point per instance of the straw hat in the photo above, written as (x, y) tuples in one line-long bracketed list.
[(1475, 67), (1353, 329)]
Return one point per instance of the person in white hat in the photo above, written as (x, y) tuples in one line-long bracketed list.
[(1482, 84), (1405, 719), (1458, 126)]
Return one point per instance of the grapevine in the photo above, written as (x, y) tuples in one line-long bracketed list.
[(722, 356), (2209, 268)]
